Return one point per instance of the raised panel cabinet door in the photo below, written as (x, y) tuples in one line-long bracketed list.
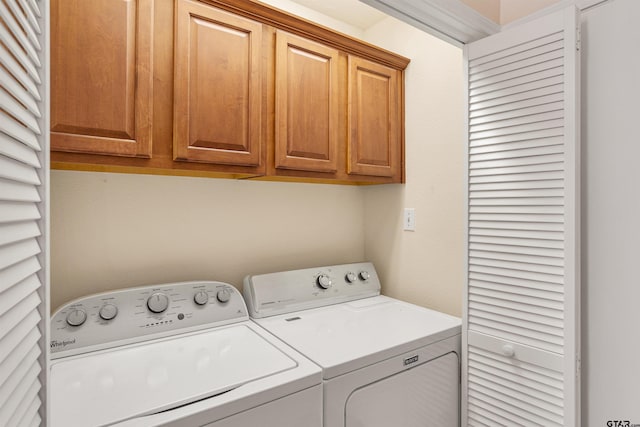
[(306, 104), (101, 77), (374, 120), (218, 87)]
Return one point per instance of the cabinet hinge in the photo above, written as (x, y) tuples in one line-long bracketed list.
[(578, 39)]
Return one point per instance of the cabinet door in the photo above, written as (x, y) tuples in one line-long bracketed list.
[(218, 86), (374, 119), (306, 105), (101, 77)]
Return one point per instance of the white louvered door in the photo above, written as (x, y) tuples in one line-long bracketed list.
[(23, 211), (521, 314)]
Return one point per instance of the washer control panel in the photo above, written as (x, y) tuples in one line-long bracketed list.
[(137, 314), (288, 291)]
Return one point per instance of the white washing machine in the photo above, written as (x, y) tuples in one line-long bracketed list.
[(180, 354), (385, 362)]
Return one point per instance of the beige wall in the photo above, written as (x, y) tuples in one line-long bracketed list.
[(489, 8), (115, 230), (506, 11), (425, 266), (511, 10), (110, 231)]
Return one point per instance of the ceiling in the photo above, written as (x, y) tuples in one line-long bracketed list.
[(350, 11)]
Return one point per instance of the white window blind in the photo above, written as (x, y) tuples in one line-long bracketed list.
[(521, 340), (23, 208)]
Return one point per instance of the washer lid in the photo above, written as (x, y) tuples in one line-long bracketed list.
[(128, 382), (344, 337)]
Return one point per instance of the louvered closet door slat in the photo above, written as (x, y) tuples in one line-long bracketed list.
[(520, 201), (492, 122), (21, 17), (514, 173), (521, 78), (553, 295), (538, 135), (18, 192), (525, 283), (537, 63), (7, 103), (506, 102), (19, 92), (15, 130), (18, 74), (514, 146), (520, 129), (518, 225), (19, 34), (517, 107), (14, 232), (16, 407), (502, 152), (516, 54), (18, 171), (17, 272), (9, 387), (27, 350), (20, 153), (513, 256), (21, 56), (525, 91), (520, 315), (23, 179), (33, 12)]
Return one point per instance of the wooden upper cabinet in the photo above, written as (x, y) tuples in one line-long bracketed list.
[(218, 89), (242, 90), (101, 77), (306, 112), (374, 120)]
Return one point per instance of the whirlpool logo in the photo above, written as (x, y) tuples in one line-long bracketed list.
[(58, 345)]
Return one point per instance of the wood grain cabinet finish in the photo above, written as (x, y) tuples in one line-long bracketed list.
[(374, 120), (306, 112), (226, 88), (218, 86), (101, 77)]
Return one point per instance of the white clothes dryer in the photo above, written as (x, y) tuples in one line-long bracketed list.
[(385, 362), (179, 354)]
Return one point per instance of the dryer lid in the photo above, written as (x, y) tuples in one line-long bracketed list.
[(344, 337), (115, 385)]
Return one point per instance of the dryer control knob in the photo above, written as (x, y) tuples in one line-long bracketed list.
[(350, 277), (201, 298), (324, 281), (223, 295), (158, 302), (108, 311), (76, 317), (364, 275)]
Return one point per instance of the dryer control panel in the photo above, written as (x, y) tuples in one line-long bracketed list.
[(131, 315), (288, 291)]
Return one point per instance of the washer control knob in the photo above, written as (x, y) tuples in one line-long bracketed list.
[(76, 317), (201, 297), (350, 277), (158, 302), (324, 281), (108, 311), (223, 295), (364, 275)]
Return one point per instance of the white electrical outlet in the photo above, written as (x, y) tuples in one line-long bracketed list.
[(409, 219)]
